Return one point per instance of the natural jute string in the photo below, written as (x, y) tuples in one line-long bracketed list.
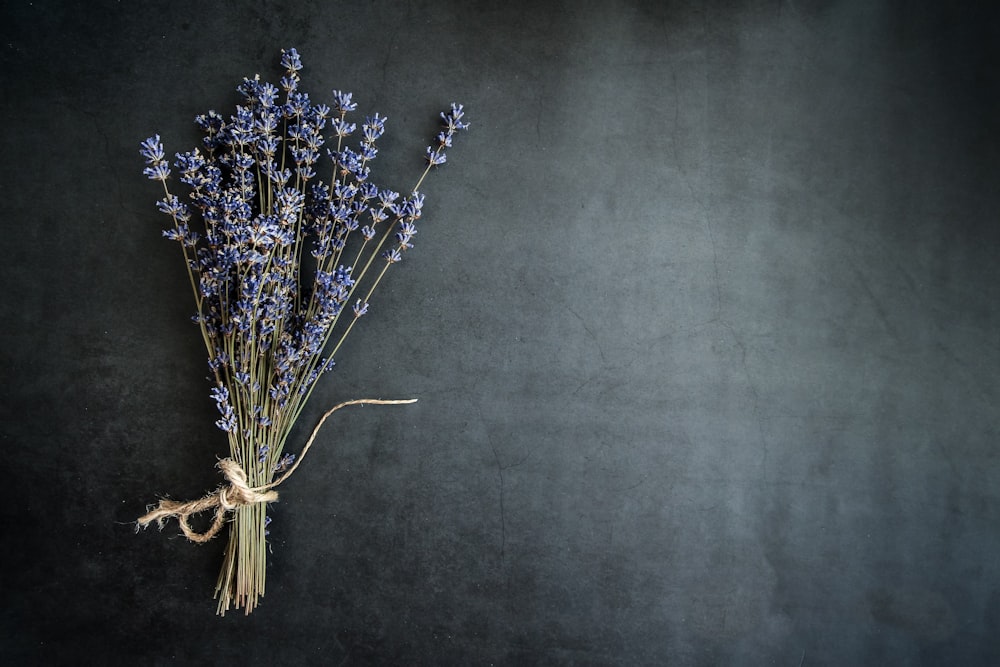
[(238, 492)]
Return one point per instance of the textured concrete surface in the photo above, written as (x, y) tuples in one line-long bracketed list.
[(703, 319)]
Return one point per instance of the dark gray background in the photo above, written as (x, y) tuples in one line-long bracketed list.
[(703, 320)]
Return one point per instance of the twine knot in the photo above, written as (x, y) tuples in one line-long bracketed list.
[(238, 493)]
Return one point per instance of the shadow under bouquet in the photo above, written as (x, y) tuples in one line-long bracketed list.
[(284, 250)]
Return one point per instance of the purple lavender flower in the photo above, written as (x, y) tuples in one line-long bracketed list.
[(182, 234), (387, 197), (289, 83), (342, 102), (321, 112), (342, 128), (158, 171), (221, 396), (342, 276), (373, 128), (452, 124), (406, 232), (453, 119), (210, 122), (298, 104), (290, 60), (152, 150), (284, 463), (410, 208), (260, 94), (173, 206), (435, 156), (189, 164)]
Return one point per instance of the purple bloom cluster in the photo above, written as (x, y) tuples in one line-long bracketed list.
[(272, 259), (452, 124)]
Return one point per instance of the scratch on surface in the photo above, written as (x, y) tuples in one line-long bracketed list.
[(908, 276), (754, 394), (715, 264), (876, 304), (406, 20), (102, 132), (501, 483), (718, 317), (590, 332), (538, 118), (702, 206), (632, 487), (503, 516)]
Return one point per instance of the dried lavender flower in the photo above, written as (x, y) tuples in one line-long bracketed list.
[(267, 232)]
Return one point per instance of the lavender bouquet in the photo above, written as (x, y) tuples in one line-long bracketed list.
[(279, 249)]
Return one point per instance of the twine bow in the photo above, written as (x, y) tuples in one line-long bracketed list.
[(238, 493), (225, 499)]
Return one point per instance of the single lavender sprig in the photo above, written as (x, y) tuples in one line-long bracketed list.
[(453, 123)]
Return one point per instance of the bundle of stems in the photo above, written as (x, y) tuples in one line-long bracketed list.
[(282, 261)]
